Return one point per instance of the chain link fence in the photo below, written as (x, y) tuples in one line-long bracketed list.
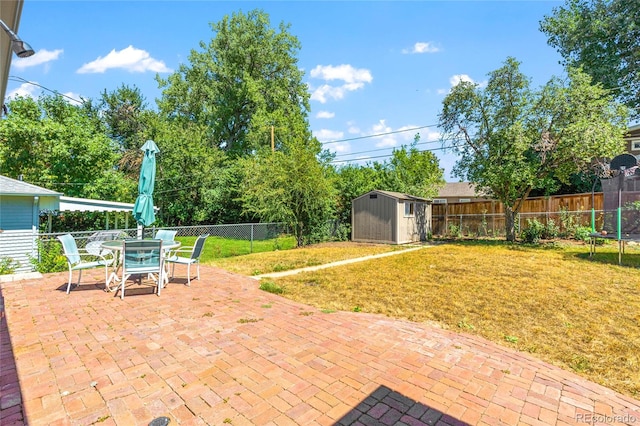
[(19, 250), (493, 224)]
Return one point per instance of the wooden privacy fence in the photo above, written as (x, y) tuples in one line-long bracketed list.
[(486, 218)]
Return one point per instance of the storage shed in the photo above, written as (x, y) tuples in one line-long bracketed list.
[(20, 206), (390, 217)]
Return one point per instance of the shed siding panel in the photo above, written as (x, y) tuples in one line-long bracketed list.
[(373, 219), (414, 228)]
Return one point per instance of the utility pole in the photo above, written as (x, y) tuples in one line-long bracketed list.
[(273, 144)]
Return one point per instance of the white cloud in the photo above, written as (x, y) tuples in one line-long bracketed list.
[(27, 90), (456, 79), (42, 56), (459, 78), (326, 135), (130, 59), (325, 114), (427, 135), (346, 73), (385, 141), (73, 98), (340, 148), (422, 47), (353, 78)]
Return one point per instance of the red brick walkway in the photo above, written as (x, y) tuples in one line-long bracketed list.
[(223, 352)]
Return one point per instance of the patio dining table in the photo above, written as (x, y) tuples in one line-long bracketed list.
[(117, 245)]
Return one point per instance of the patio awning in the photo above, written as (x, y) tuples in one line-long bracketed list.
[(90, 205)]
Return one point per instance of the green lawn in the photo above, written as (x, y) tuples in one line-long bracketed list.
[(218, 247)]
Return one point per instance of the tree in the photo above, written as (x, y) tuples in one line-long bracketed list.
[(124, 114), (189, 174), (240, 84), (292, 185), (515, 139), (413, 172), (603, 37), (352, 181), (56, 145)]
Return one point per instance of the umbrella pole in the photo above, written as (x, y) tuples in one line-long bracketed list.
[(140, 231)]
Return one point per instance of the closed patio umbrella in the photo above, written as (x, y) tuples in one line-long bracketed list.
[(143, 208)]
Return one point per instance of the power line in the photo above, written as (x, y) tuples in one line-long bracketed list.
[(389, 155), (380, 134), (381, 149), (20, 79)]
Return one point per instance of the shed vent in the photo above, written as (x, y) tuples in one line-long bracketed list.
[(373, 196)]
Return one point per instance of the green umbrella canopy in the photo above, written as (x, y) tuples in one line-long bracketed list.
[(143, 208)]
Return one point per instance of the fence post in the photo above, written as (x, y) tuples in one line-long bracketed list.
[(251, 246)]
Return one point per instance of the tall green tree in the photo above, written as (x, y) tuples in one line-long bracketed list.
[(413, 172), (602, 37), (517, 139), (125, 114), (293, 185), (240, 84), (58, 146), (188, 174), (351, 181)]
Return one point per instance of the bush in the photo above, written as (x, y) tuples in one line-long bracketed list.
[(551, 230), (50, 257), (8, 266), (532, 233), (454, 231), (581, 233)]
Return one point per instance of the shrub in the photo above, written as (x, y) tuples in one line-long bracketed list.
[(8, 265), (581, 233), (532, 232), (50, 258), (551, 230), (454, 231)]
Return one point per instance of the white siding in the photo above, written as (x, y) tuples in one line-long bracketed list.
[(18, 245)]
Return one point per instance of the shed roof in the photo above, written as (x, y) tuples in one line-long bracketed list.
[(398, 195), (10, 186)]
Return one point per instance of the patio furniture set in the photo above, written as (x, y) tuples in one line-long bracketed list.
[(132, 258)]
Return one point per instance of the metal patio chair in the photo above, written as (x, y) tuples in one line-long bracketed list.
[(166, 234), (76, 259), (193, 257), (142, 257)]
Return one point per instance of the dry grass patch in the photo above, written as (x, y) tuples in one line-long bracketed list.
[(319, 254), (579, 314)]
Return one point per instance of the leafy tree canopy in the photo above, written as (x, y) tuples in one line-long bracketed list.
[(413, 172), (516, 139), (240, 84), (55, 145), (293, 185), (602, 37)]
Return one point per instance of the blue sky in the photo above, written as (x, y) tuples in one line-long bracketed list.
[(372, 67)]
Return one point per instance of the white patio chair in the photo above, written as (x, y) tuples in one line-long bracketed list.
[(142, 257), (166, 234), (75, 258), (193, 257)]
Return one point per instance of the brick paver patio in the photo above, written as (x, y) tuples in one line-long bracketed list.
[(223, 352)]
